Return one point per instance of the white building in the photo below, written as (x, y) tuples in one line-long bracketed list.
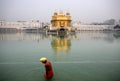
[(20, 24), (95, 27), (37, 24), (88, 27)]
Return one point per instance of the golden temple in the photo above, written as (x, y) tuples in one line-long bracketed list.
[(61, 24), (61, 20)]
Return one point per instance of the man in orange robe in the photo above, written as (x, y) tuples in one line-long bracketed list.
[(48, 66)]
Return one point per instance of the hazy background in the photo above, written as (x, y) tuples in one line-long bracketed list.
[(81, 10)]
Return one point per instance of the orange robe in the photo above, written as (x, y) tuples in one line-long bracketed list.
[(49, 72)]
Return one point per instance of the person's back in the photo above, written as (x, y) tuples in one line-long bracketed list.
[(49, 72), (48, 66)]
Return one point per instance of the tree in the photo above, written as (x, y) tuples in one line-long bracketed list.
[(110, 22)]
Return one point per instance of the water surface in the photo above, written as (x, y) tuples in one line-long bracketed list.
[(85, 56)]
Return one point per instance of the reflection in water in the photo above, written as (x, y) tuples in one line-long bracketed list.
[(102, 35), (61, 44), (107, 36), (117, 35)]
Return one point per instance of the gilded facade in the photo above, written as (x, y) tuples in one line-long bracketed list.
[(61, 20)]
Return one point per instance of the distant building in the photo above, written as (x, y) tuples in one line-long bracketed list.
[(8, 26), (84, 27), (61, 19), (20, 24), (61, 23)]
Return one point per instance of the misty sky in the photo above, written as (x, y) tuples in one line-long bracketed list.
[(81, 10)]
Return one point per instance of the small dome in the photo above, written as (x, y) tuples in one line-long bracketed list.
[(61, 13), (67, 13), (55, 13)]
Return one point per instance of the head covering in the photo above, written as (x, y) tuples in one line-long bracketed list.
[(43, 59)]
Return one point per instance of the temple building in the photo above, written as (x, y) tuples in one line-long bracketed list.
[(61, 23), (61, 19)]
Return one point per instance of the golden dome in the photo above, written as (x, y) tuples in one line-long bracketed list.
[(67, 13), (55, 13)]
